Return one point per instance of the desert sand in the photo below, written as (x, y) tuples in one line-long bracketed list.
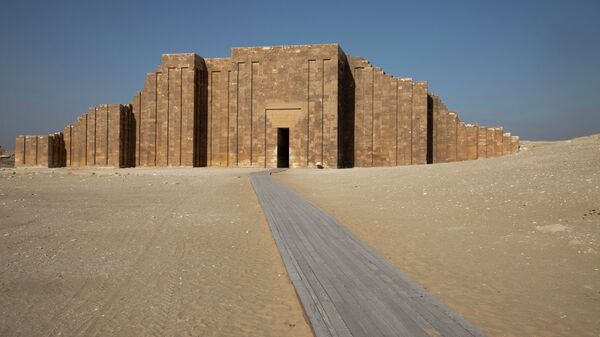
[(139, 252), (511, 243)]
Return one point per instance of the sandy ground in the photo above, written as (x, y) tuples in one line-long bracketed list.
[(8, 161), (511, 243), (179, 252)]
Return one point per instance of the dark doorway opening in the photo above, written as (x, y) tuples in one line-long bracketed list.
[(430, 128), (283, 147)]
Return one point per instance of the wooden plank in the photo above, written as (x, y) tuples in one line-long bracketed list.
[(346, 288)]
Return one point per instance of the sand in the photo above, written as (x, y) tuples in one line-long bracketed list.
[(511, 243), (177, 252)]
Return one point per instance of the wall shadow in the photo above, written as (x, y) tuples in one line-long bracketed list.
[(346, 114), (201, 120), (430, 127)]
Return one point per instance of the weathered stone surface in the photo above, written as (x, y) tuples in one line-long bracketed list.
[(20, 151), (68, 147), (114, 145), (43, 145), (443, 134), (498, 145), (136, 105), (434, 105), (506, 146), (490, 143), (44, 151), (472, 141), (419, 139), (339, 110), (91, 137), (514, 142), (102, 137), (452, 126), (102, 132), (31, 150), (461, 142), (404, 128), (481, 142), (166, 115)]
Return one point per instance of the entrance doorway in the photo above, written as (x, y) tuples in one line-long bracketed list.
[(283, 147)]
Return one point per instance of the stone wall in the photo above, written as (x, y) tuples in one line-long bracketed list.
[(43, 151), (481, 142), (167, 113), (390, 117), (340, 112), (258, 90), (457, 141), (102, 137), (461, 142), (472, 141)]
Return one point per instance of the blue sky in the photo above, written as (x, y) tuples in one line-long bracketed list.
[(530, 66)]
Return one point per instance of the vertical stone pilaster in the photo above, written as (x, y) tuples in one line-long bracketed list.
[(419, 145), (20, 151)]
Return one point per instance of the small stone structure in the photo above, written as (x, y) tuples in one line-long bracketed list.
[(46, 151), (296, 106)]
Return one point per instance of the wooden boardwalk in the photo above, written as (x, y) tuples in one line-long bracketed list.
[(345, 287)]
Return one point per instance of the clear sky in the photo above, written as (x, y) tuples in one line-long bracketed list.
[(530, 66)]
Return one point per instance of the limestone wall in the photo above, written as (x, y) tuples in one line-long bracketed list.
[(101, 137), (461, 142), (390, 117), (167, 113), (481, 142), (472, 141), (258, 90), (442, 134), (457, 141), (340, 111), (43, 151)]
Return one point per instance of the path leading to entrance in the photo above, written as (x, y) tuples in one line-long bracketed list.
[(346, 288)]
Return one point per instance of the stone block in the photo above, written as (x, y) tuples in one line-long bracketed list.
[(102, 134), (506, 147), (472, 141), (498, 146), (91, 137), (461, 142), (189, 116), (419, 120), (148, 128), (31, 149), (114, 145), (481, 142), (442, 146), (514, 142), (405, 108), (136, 106), (43, 150), (20, 151), (67, 140), (490, 143), (452, 131)]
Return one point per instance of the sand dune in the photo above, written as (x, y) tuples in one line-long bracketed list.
[(180, 252), (511, 243)]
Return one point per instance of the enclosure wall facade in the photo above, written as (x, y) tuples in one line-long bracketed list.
[(46, 151), (296, 106), (257, 91), (101, 137)]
